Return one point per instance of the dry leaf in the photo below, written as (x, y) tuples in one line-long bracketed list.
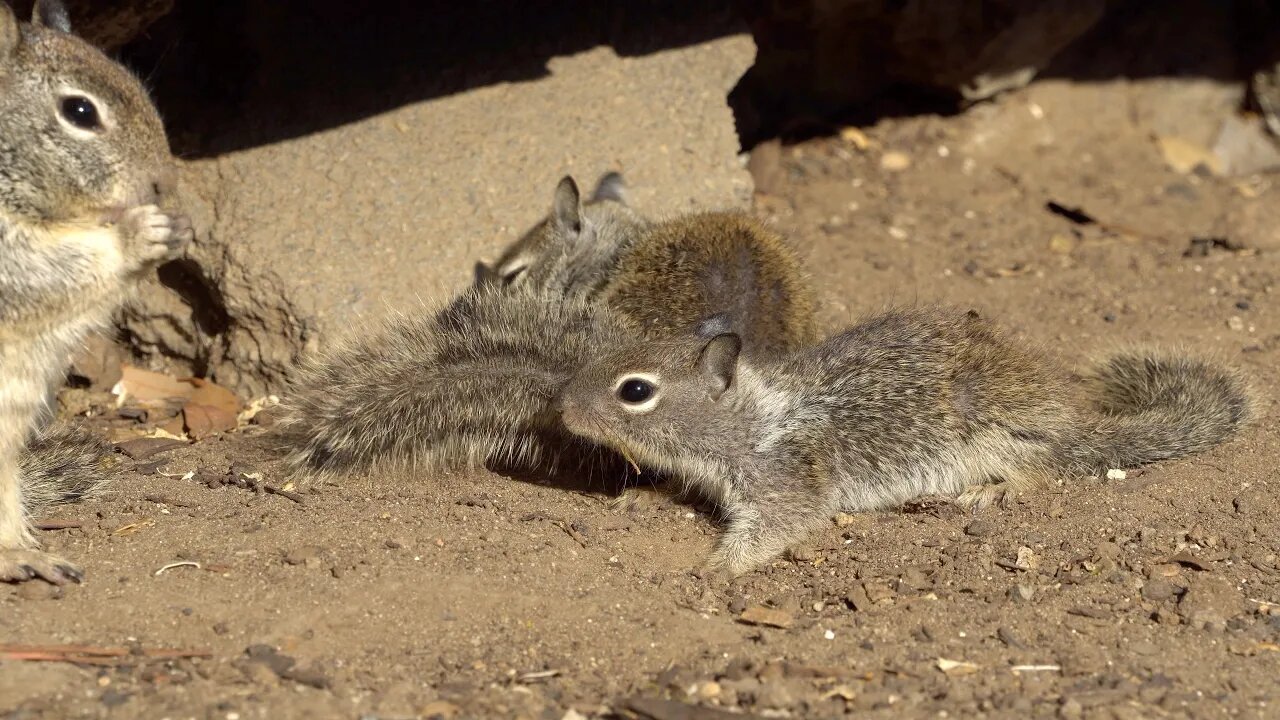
[(1185, 156), (771, 617), (844, 692), (855, 137), (1063, 244), (956, 668), (256, 406), (144, 387), (210, 409)]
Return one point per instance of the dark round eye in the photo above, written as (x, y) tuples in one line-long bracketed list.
[(81, 112), (635, 391)]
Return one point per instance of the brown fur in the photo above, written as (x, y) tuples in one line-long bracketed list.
[(682, 270)]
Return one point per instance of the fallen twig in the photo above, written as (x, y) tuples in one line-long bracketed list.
[(90, 655), (59, 525), (183, 563), (253, 481)]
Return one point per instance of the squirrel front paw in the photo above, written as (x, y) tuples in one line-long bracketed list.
[(151, 236)]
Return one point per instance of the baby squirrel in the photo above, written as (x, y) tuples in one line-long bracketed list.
[(664, 277), (473, 384), (573, 249), (468, 385), (83, 160), (908, 403)]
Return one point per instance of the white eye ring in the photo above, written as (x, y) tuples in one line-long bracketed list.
[(67, 92), (650, 385)]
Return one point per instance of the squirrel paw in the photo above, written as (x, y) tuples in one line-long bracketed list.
[(981, 497), (151, 236), (21, 565), (633, 499)]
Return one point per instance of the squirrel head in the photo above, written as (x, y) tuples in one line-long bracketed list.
[(657, 401), (78, 135), (568, 240)]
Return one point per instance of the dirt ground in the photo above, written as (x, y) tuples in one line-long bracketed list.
[(484, 596)]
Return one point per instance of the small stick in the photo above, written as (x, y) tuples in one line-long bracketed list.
[(272, 490), (88, 655), (172, 565), (60, 525), (66, 649)]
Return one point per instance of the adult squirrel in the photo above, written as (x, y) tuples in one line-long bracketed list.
[(909, 403), (83, 162), (472, 383)]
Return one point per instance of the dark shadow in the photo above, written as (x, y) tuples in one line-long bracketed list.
[(234, 74), (778, 98)]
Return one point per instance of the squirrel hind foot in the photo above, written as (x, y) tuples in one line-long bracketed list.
[(977, 498), (18, 565)]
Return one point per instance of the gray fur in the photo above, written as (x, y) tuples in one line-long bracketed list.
[(574, 249), (908, 403), (63, 464), (468, 385), (77, 227)]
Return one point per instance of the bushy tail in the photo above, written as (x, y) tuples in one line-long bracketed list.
[(1152, 406), (470, 385), (63, 464)]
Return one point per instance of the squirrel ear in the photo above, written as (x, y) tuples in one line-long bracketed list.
[(485, 275), (610, 186), (714, 325), (51, 14), (10, 33), (567, 209), (719, 363)]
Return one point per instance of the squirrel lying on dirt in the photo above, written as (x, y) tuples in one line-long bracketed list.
[(83, 160), (904, 404)]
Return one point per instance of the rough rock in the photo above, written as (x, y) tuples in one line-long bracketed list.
[(1210, 601), (818, 57), (307, 232), (108, 25)]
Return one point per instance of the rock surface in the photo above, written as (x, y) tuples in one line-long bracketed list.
[(312, 236)]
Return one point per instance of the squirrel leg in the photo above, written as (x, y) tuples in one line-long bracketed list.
[(1006, 484), (980, 497), (19, 561), (761, 531)]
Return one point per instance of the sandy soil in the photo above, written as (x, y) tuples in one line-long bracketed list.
[(485, 596)]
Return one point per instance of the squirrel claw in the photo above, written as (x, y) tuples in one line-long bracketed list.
[(22, 565), (151, 236)]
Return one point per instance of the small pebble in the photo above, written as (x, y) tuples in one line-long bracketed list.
[(1235, 323), (980, 528), (894, 161)]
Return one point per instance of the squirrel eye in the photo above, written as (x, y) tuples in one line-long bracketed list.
[(635, 391), (81, 112)]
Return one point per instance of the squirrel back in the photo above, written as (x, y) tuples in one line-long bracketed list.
[(684, 269)]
